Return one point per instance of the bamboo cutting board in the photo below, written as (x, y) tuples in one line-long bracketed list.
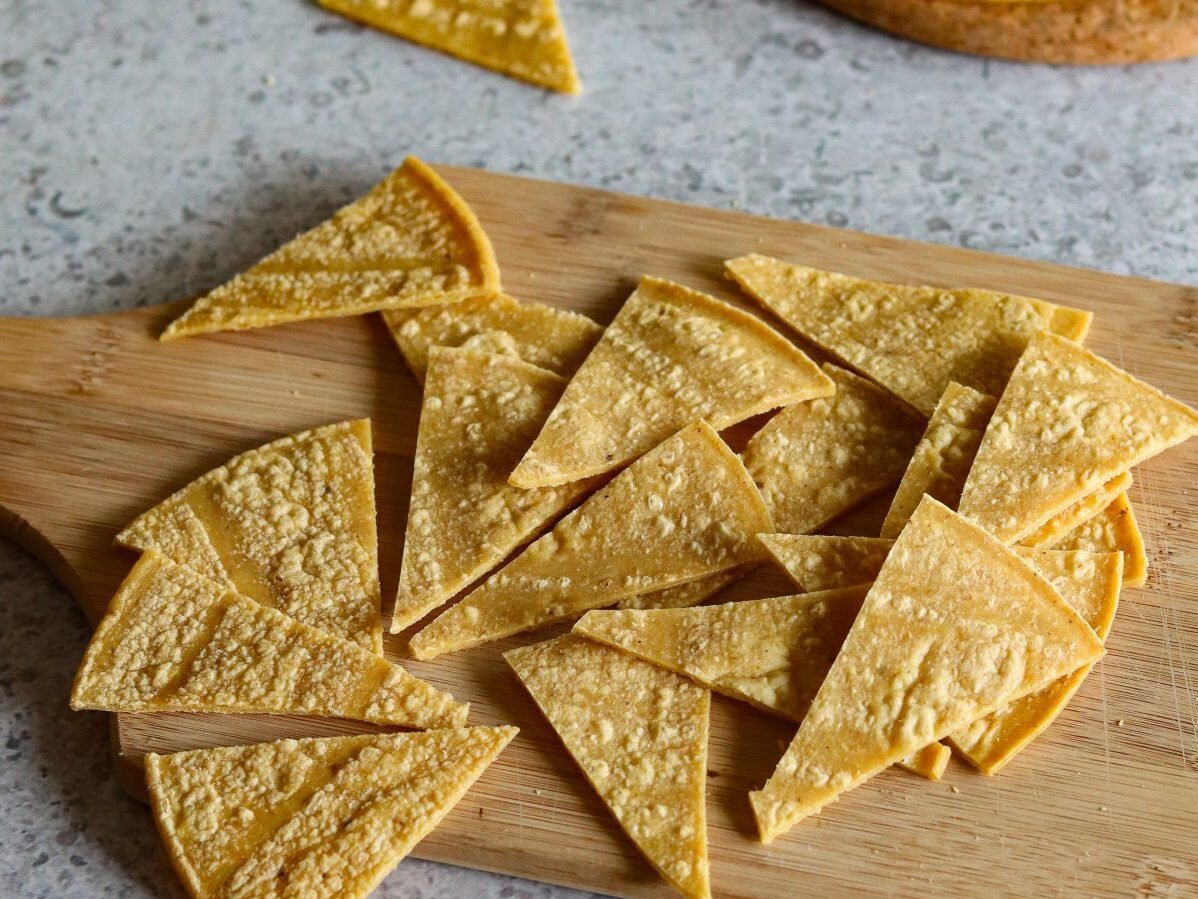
[(98, 421)]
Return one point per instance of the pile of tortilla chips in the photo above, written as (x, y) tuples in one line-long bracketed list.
[(570, 473)]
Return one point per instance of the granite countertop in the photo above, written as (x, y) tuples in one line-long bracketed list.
[(149, 150)]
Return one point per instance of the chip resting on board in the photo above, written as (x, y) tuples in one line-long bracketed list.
[(817, 562), (411, 241), (1090, 583), (944, 455), (545, 336), (290, 524), (685, 510), (479, 415), (172, 640), (639, 734), (523, 39), (314, 817), (1114, 529), (1067, 423), (671, 357), (816, 460), (914, 341), (955, 626), (1074, 516)]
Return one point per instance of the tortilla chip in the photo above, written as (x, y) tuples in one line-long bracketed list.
[(639, 733), (1113, 530), (686, 510), (942, 459), (955, 626), (290, 524), (243, 820), (172, 640), (914, 341), (522, 39), (816, 460), (1067, 423), (683, 596), (411, 241), (931, 761), (672, 356), (550, 338), (826, 563), (1074, 516), (1090, 583), (480, 413)]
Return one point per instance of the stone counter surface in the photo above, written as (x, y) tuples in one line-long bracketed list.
[(149, 150)]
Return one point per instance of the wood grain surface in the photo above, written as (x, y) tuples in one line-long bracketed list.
[(98, 421)]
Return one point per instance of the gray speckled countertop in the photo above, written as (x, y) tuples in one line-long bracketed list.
[(148, 150)]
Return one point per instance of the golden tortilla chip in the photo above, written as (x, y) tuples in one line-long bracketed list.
[(931, 761), (686, 510), (672, 356), (942, 459), (955, 626), (914, 341), (683, 596), (172, 640), (310, 817), (1112, 530), (817, 563), (1067, 423), (480, 413), (290, 524), (639, 733), (1074, 516), (816, 460), (1090, 583), (411, 241), (522, 39), (554, 339)]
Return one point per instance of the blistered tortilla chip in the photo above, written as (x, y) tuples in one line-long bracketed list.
[(817, 459), (1067, 423), (411, 241), (639, 734), (686, 510), (479, 415), (1074, 516), (1090, 583), (290, 524), (1113, 530), (914, 341), (308, 814), (944, 455), (671, 357), (553, 339), (816, 562), (522, 39), (172, 640), (683, 596), (955, 626)]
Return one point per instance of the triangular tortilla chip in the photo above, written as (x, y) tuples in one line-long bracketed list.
[(683, 596), (1112, 530), (290, 524), (310, 814), (639, 733), (1074, 516), (523, 39), (172, 640), (411, 241), (817, 563), (1067, 423), (480, 413), (955, 626), (914, 341), (554, 339), (941, 461), (686, 510), (816, 460), (671, 357), (1090, 583)]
